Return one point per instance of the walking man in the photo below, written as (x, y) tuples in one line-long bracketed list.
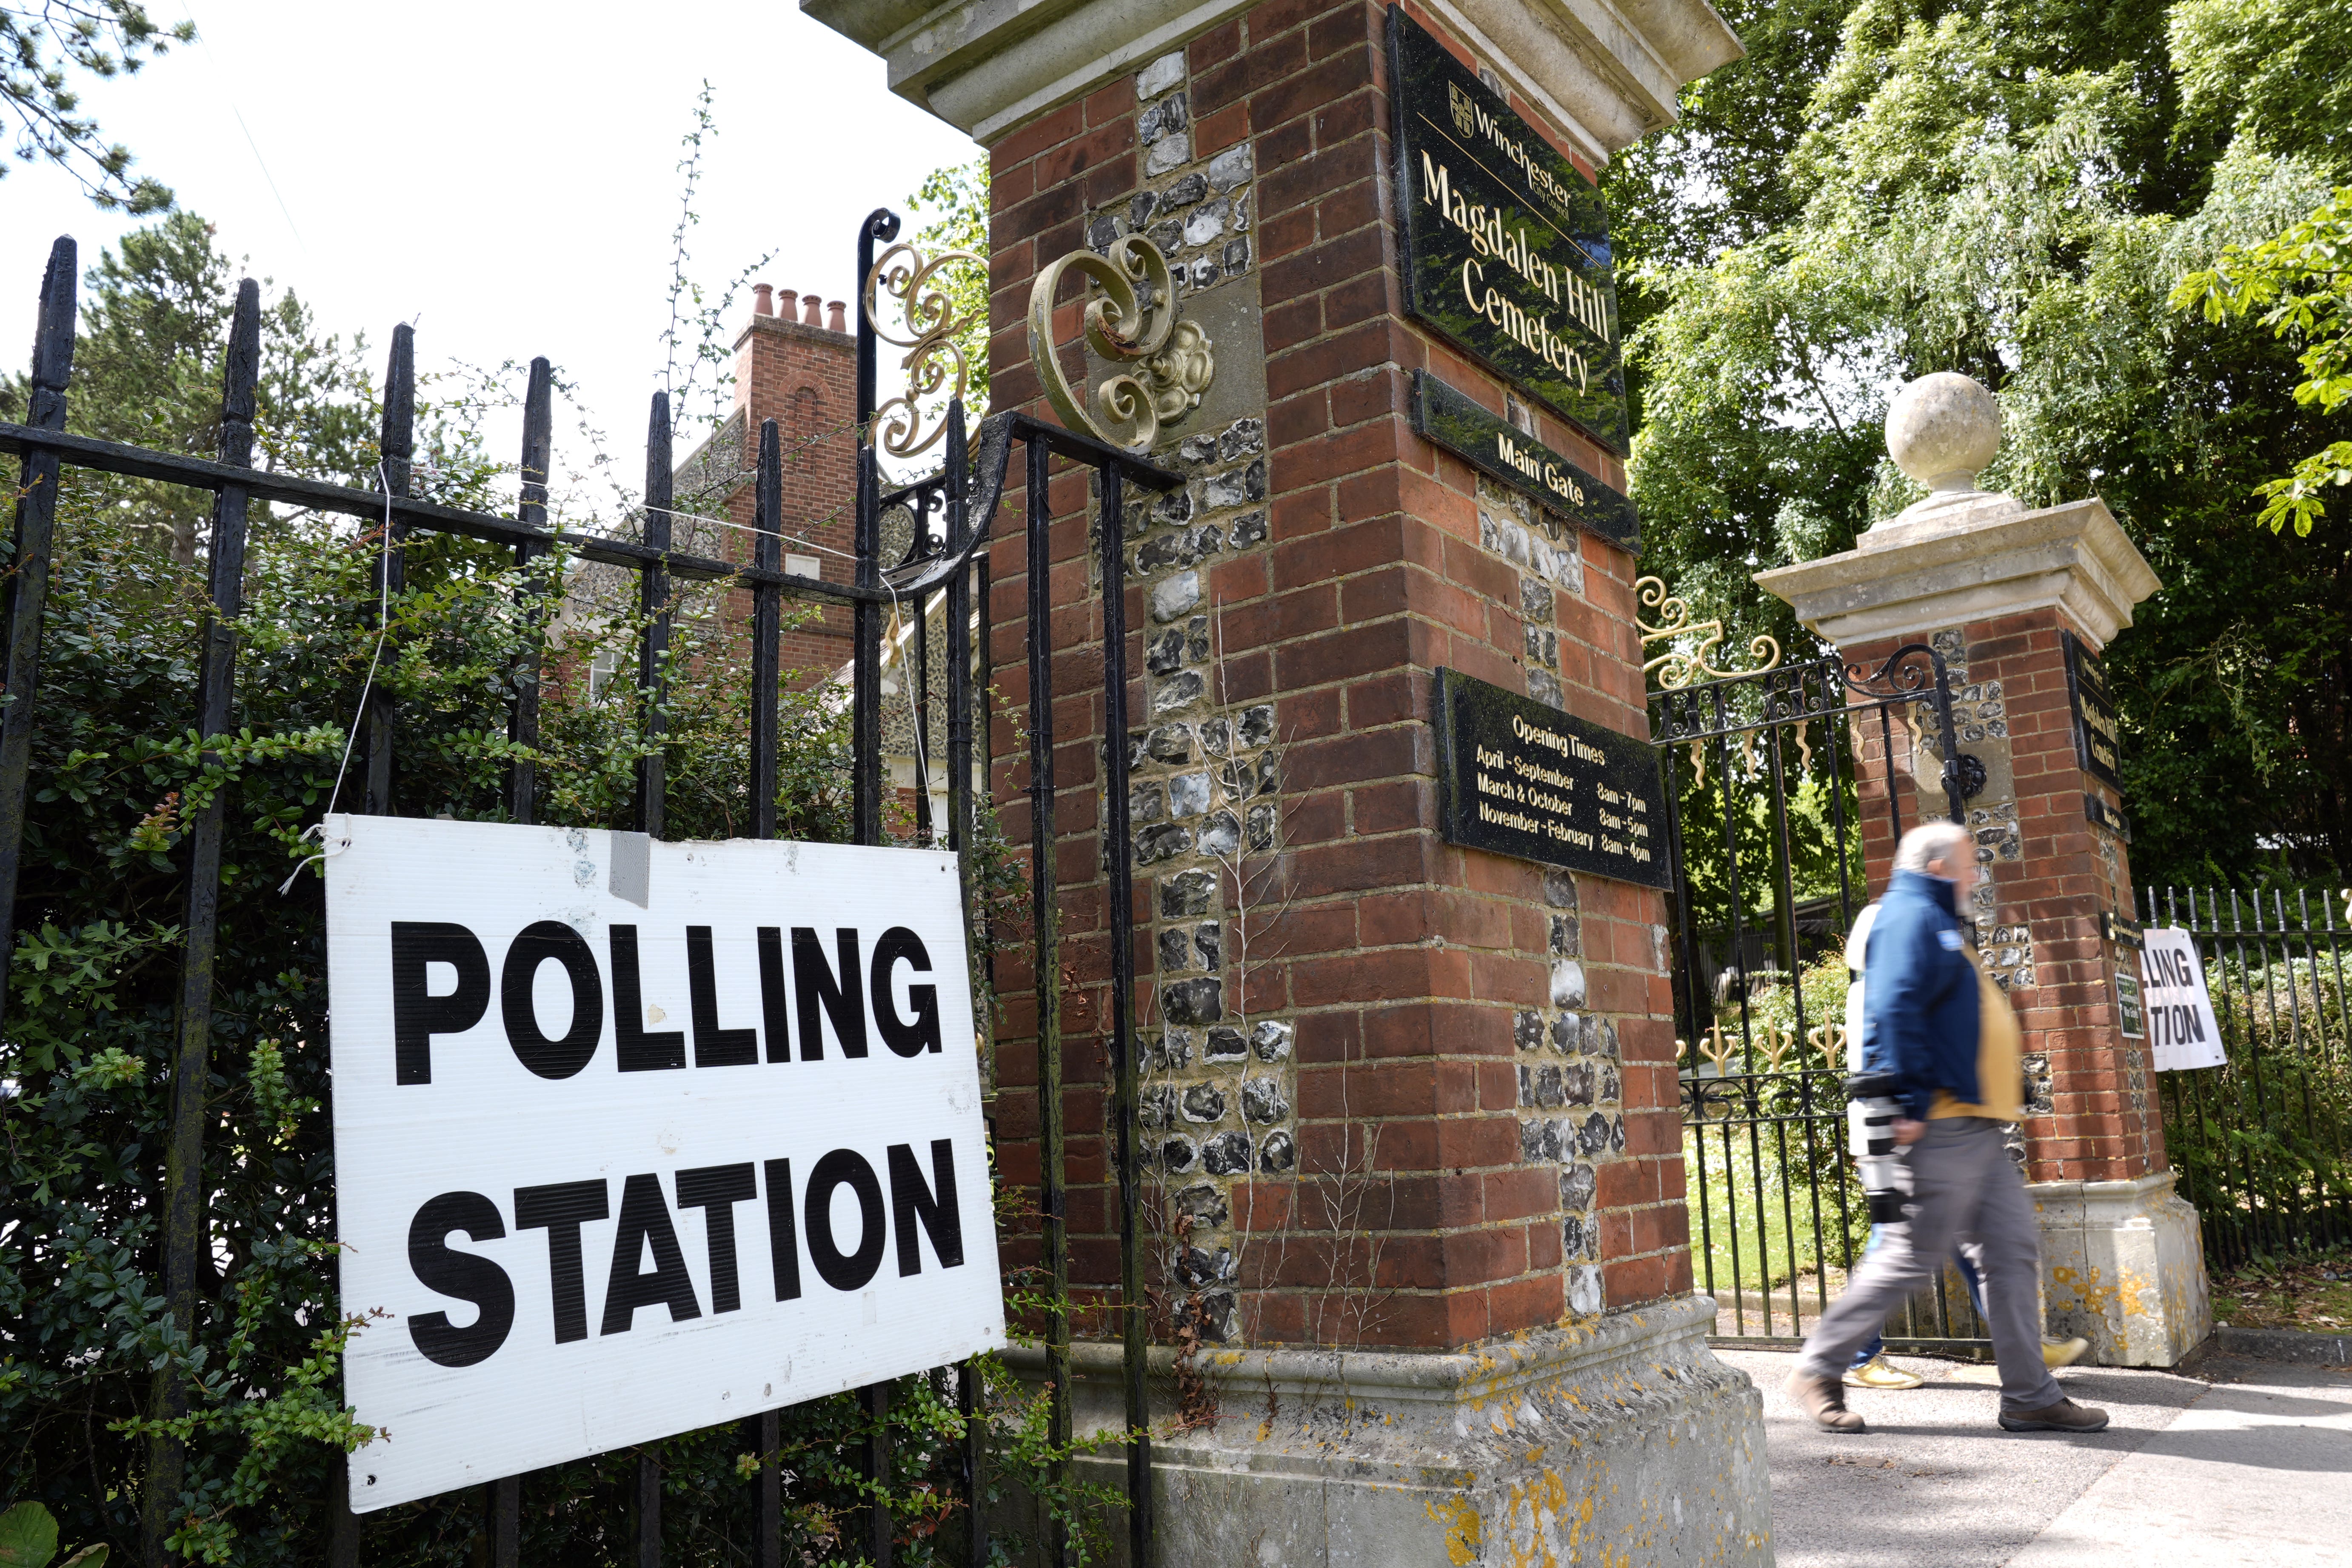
[(1933, 1018)]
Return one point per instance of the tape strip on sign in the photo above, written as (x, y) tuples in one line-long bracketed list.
[(632, 1138), (2182, 1034)]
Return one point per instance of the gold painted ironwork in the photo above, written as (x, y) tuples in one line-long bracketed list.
[(1804, 748), (1131, 319), (1830, 1040), (1680, 667), (934, 355)]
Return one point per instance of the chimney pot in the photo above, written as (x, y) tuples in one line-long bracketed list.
[(814, 312), (835, 316), (764, 299), (788, 303)]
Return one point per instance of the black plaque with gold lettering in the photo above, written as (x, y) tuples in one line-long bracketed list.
[(2095, 743), (1455, 423), (1518, 778), (1505, 245)]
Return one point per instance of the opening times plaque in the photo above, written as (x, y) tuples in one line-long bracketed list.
[(1518, 778)]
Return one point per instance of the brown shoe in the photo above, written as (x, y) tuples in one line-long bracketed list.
[(1822, 1399), (2064, 1416)]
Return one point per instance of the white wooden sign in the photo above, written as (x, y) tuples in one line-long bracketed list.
[(632, 1138), (2181, 1031)]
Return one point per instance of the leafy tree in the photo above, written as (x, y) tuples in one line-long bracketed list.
[(45, 49), (1889, 187)]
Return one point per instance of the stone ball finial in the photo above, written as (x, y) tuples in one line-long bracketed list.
[(1943, 430)]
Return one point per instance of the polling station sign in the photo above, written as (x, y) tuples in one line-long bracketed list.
[(632, 1138), (2182, 1034)]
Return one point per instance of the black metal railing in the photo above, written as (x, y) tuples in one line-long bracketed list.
[(945, 566), (1764, 824), (2263, 1142)]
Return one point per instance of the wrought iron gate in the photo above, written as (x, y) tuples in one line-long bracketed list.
[(1767, 816), (942, 565)]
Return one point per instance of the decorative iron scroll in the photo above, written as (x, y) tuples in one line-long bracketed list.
[(933, 355), (1678, 668), (1131, 319)]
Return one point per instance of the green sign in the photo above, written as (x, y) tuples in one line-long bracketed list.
[(2128, 1012), (1506, 247), (1506, 453)]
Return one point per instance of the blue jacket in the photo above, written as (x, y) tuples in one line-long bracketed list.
[(1920, 997)]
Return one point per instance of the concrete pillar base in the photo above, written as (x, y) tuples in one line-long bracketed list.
[(2123, 1266), (1625, 1441)]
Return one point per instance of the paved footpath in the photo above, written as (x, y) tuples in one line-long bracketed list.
[(2242, 1462)]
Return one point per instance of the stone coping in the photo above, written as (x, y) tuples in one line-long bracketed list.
[(1917, 577)]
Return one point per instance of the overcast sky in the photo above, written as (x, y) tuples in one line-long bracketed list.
[(502, 172)]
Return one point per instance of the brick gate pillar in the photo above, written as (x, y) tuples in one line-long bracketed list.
[(2020, 604), (1416, 1184)]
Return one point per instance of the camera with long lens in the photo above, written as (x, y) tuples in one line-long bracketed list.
[(1871, 1116)]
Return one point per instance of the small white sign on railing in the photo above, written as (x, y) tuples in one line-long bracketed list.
[(2182, 1032), (632, 1138)]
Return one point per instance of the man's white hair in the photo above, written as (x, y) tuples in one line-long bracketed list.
[(1930, 841)]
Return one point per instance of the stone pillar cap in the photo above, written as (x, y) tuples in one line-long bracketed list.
[(1943, 430)]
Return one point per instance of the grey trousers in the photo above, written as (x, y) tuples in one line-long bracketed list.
[(1960, 1188)]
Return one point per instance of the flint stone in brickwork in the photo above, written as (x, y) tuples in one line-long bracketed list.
[(1277, 1154), (1145, 804), (1226, 1045), (1567, 984), (1264, 817), (1178, 1154), (1172, 1051), (1237, 778), (1612, 1092), (1535, 600), (1201, 274), (1164, 119), (1563, 936), (1577, 1185), (1160, 74), (1196, 1267), (1543, 646), (1175, 596), (1526, 1030), (1271, 1040), (1527, 1085), (1237, 488), (1241, 438), (1559, 889), (1175, 507), (1161, 841), (1204, 1103), (1549, 1094), (1204, 1205), (1571, 1236), (1216, 737), (1226, 1154), (1584, 1290), (1269, 774), (1134, 748), (1593, 1136), (1576, 1083), (1207, 222), (1187, 893), (1544, 687), (1249, 529), (1209, 942), (1194, 450), (1184, 192), (1192, 1002), (1196, 639), (1158, 1107), (1180, 690), (1188, 794), (1169, 743), (1220, 835), (1165, 550), (1219, 1319), (1241, 215), (1237, 255), (1168, 234), (1539, 1140), (1262, 1100), (1567, 1033), (1103, 232), (1608, 1039), (1231, 168), (1139, 210), (1175, 951), (1164, 654), (1617, 1135), (1258, 725)]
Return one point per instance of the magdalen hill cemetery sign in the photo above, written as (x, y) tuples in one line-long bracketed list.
[(1506, 244)]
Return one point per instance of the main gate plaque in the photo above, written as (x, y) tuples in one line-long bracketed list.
[(1505, 245), (1518, 778)]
